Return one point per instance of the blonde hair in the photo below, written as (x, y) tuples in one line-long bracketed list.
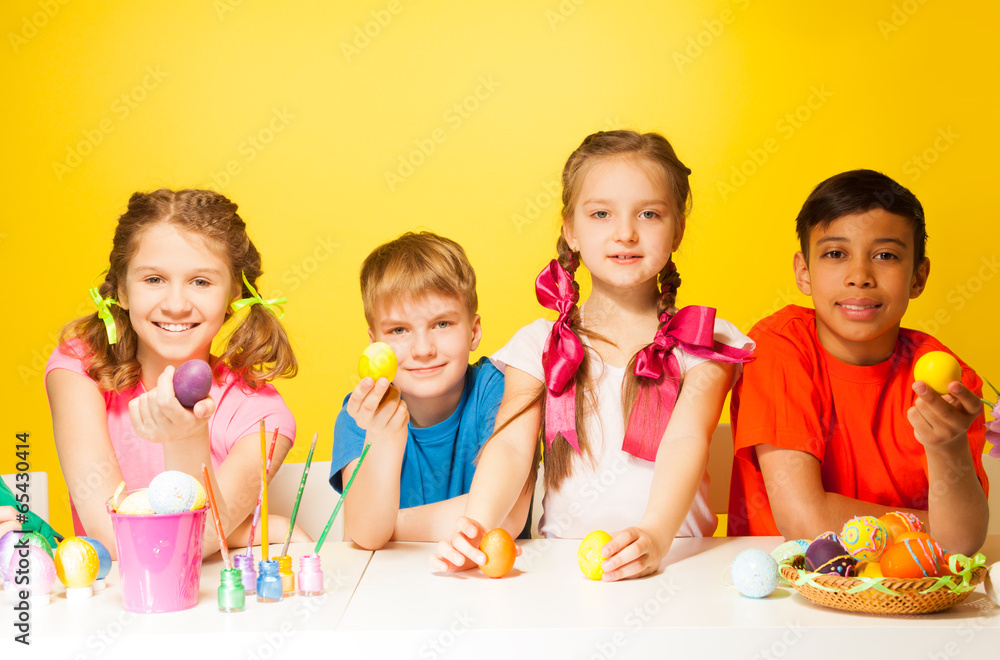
[(258, 349), (646, 149), (414, 265)]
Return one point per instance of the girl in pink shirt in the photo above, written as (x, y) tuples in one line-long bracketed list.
[(181, 265)]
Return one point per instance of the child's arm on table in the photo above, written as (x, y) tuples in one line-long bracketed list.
[(372, 504), (500, 491), (83, 444), (957, 514), (429, 523), (957, 509), (680, 464), (159, 417)]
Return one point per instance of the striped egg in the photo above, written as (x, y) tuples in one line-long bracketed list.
[(914, 558)]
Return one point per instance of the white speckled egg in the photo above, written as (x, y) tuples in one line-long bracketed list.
[(755, 573), (172, 492)]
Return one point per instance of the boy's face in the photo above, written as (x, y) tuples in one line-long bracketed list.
[(861, 276), (432, 336)]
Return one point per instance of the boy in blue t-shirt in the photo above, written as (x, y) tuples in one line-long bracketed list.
[(426, 427)]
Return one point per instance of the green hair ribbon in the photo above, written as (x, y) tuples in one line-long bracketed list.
[(104, 313), (255, 299)]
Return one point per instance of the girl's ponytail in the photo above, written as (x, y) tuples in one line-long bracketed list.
[(259, 349)]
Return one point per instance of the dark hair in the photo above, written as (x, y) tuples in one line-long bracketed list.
[(859, 191), (258, 348)]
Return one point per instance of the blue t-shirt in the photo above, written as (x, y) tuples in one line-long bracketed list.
[(438, 460)]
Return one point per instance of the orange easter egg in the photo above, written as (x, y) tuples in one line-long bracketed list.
[(899, 522), (905, 536), (913, 558)]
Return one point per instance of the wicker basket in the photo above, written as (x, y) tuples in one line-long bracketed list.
[(884, 596)]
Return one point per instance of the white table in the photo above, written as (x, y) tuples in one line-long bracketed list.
[(391, 602), (98, 627), (686, 611)]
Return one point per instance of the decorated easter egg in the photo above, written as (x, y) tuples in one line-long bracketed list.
[(833, 536), (899, 522), (937, 369), (914, 558), (32, 570), (869, 569), (864, 537), (755, 573), (192, 382), (378, 361), (136, 504), (827, 556), (7, 542), (172, 492), (77, 565), (103, 557), (906, 536), (789, 550), (589, 556), (992, 583)]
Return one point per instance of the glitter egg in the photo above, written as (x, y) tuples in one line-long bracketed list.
[(136, 504), (7, 542), (77, 564), (33, 571), (172, 492), (755, 573), (991, 587), (864, 537), (789, 550), (827, 556)]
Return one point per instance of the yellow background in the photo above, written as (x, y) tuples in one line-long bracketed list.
[(485, 102)]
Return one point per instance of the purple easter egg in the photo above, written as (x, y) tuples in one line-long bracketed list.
[(192, 382), (827, 556)]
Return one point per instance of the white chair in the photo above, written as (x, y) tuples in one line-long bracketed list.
[(720, 468), (992, 467), (318, 498), (38, 491)]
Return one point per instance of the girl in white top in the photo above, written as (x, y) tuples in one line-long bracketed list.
[(627, 353)]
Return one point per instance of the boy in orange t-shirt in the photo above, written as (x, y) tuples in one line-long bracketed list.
[(828, 421)]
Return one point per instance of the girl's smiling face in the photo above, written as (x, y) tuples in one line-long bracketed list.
[(624, 223), (177, 290)]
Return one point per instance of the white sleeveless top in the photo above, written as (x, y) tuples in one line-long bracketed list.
[(614, 494)]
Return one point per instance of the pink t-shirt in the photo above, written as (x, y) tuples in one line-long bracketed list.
[(237, 414)]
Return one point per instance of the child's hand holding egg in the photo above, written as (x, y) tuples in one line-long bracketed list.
[(378, 361), (937, 369), (192, 382)]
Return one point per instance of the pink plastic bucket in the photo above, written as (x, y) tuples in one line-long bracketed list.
[(159, 560)]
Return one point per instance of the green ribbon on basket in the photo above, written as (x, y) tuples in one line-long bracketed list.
[(104, 313), (961, 566), (274, 303)]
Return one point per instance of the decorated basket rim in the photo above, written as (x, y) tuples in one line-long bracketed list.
[(888, 595)]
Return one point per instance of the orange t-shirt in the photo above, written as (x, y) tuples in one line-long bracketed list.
[(795, 395)]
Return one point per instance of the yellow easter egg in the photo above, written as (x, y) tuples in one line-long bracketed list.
[(378, 361), (589, 554), (136, 504), (937, 369)]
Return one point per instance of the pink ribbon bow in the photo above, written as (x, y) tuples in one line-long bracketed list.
[(562, 356), (692, 329)]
